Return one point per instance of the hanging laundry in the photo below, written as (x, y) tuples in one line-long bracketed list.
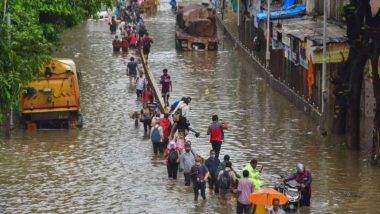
[(310, 76)]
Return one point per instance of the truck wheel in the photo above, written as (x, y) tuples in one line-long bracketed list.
[(79, 120)]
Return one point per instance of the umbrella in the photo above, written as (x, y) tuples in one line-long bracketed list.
[(265, 197)]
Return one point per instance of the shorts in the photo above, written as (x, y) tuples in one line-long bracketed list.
[(133, 74), (139, 92), (165, 94), (146, 51)]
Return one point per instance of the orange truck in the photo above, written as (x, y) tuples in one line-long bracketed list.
[(51, 100)]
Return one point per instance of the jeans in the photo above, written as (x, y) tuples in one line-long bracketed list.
[(156, 147), (165, 144), (172, 170), (212, 182), (147, 124), (216, 146), (187, 178), (305, 197), (243, 208), (199, 186), (138, 93)]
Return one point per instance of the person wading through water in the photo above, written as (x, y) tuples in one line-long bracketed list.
[(199, 175), (254, 174), (116, 44), (244, 190), (146, 44), (156, 136), (226, 179), (303, 177), (166, 126), (172, 160), (132, 70), (147, 95), (140, 85), (166, 86), (113, 25), (215, 130), (212, 164), (146, 117), (187, 160)]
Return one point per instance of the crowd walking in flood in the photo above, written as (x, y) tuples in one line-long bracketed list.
[(169, 132)]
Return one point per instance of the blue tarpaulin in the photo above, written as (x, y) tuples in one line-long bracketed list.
[(288, 10), (287, 4)]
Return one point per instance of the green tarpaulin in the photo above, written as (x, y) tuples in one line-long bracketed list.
[(234, 4)]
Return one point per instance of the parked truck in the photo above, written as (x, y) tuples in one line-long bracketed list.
[(196, 28), (51, 99)]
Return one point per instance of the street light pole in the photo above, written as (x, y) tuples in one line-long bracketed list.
[(267, 54), (324, 72)]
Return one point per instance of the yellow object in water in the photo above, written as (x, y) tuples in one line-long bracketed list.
[(260, 209), (53, 94)]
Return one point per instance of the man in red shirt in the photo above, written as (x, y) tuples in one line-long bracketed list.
[(215, 130), (116, 44), (147, 95), (166, 126), (166, 86), (124, 45)]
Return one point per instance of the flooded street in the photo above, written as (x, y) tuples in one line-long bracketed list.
[(109, 167)]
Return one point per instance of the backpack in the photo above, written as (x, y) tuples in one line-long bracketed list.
[(173, 156), (155, 137), (225, 180), (174, 105)]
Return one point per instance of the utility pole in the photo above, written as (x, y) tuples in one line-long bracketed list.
[(222, 8), (267, 54), (324, 73), (238, 13)]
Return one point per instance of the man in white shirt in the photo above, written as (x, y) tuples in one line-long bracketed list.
[(140, 85)]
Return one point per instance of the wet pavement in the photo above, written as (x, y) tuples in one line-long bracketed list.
[(108, 166)]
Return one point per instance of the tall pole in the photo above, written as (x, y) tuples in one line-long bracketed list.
[(267, 54), (238, 13), (222, 9), (324, 73)]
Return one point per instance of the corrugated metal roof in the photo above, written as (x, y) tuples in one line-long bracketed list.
[(312, 29)]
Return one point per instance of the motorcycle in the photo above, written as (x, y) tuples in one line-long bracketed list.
[(291, 189)]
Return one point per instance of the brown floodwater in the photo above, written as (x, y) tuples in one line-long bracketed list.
[(108, 166)]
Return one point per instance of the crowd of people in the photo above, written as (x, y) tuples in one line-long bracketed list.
[(168, 131), (133, 32)]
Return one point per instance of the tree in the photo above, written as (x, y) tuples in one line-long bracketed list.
[(35, 29), (363, 30)]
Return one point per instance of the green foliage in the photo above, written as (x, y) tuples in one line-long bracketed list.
[(35, 29), (348, 11)]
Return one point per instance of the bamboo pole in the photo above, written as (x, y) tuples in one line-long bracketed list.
[(152, 82)]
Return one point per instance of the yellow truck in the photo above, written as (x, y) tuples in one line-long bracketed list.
[(51, 100)]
